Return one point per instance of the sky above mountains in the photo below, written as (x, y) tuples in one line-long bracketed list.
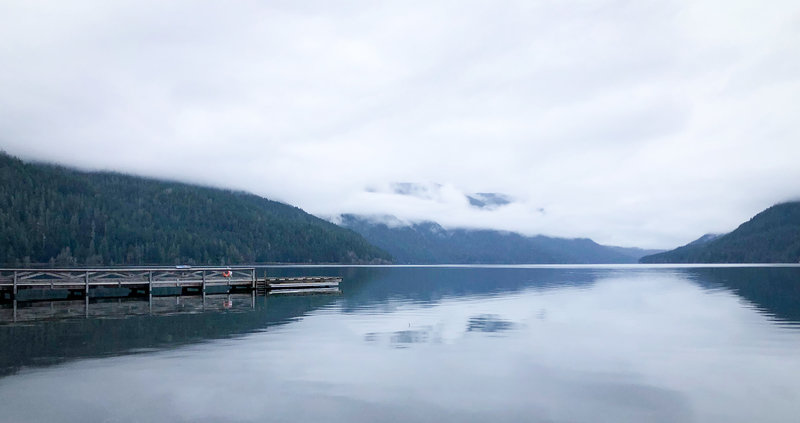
[(633, 123)]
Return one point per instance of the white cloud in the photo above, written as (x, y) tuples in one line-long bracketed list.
[(634, 123)]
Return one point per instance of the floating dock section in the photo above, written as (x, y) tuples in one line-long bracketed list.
[(180, 280), (303, 285)]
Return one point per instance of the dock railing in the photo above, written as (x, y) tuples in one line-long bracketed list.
[(129, 277)]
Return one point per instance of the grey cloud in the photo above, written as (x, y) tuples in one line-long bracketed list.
[(424, 191)]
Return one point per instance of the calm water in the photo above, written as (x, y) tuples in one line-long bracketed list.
[(423, 344)]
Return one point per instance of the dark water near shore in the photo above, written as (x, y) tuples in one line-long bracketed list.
[(632, 344)]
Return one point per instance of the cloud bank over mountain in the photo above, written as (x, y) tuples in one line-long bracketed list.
[(633, 123)]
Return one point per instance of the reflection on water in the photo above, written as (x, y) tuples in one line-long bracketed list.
[(774, 290), (424, 344), (106, 308), (488, 323)]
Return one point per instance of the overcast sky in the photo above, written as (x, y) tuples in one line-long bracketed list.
[(635, 123)]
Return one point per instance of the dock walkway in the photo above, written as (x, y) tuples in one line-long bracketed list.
[(139, 280)]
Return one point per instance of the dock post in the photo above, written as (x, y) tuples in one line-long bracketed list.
[(15, 310), (14, 290), (86, 279), (86, 306), (253, 275), (204, 283), (150, 282)]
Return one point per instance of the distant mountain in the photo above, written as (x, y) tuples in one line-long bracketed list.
[(634, 253), (55, 215), (488, 200), (432, 190), (772, 236), (430, 243)]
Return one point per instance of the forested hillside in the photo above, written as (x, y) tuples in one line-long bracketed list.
[(59, 216), (772, 236), (430, 243)]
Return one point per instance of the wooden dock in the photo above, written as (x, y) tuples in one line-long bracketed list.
[(184, 280)]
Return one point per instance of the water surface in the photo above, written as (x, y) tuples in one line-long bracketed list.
[(559, 344)]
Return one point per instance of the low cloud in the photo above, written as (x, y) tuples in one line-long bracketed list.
[(631, 123)]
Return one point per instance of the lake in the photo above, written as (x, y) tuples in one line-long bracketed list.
[(423, 344)]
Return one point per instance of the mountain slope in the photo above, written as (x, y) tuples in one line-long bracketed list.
[(705, 239), (429, 243), (50, 214), (633, 252), (772, 236)]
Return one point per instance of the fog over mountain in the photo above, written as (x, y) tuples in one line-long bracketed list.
[(630, 123), (430, 243)]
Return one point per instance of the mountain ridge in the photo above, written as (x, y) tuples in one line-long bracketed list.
[(771, 236), (428, 242)]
